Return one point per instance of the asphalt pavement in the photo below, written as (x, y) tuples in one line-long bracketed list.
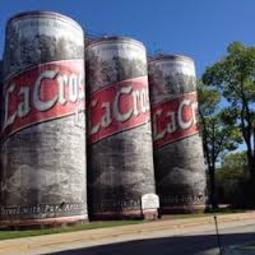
[(200, 243)]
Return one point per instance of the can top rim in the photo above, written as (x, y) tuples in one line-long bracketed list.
[(104, 39), (171, 57), (41, 12)]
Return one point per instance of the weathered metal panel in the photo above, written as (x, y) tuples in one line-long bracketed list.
[(43, 127), (178, 153), (1, 88), (120, 162)]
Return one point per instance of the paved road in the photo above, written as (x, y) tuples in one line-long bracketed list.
[(199, 242)]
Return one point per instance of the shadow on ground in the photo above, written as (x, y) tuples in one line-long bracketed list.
[(187, 245)]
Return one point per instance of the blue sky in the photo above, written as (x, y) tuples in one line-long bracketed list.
[(199, 28)]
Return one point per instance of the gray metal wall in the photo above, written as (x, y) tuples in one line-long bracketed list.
[(44, 167), (178, 154)]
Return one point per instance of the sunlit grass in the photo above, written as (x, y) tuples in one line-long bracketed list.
[(9, 234)]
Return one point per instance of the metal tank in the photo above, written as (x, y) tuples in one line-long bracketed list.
[(1, 68), (120, 156), (1, 103), (1, 107), (178, 152), (43, 180)]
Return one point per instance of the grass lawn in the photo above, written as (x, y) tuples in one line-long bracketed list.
[(9, 234), (211, 212)]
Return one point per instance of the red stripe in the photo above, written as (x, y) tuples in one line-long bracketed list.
[(174, 119), (41, 93), (118, 107)]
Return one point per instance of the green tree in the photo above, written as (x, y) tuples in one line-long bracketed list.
[(234, 75), (232, 177), (237, 162), (218, 137)]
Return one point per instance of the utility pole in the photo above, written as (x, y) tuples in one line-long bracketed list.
[(218, 235)]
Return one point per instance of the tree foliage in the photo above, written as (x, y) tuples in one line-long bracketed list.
[(232, 179), (234, 166), (218, 135), (234, 76)]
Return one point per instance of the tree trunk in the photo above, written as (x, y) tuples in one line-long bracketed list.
[(212, 192), (251, 184), (251, 165)]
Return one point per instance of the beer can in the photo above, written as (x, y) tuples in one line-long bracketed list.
[(43, 180), (178, 152), (120, 157)]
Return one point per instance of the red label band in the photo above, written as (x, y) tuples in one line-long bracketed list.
[(174, 119), (118, 107), (44, 92)]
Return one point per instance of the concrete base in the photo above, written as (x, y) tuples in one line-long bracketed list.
[(182, 209), (150, 214), (42, 223), (111, 215)]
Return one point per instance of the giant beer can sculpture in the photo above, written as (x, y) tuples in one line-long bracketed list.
[(178, 153), (43, 127), (120, 162), (1, 71), (1, 105)]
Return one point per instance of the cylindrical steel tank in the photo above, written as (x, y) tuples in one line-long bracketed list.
[(1, 101), (178, 152), (1, 109), (120, 163), (1, 106), (1, 71), (43, 128)]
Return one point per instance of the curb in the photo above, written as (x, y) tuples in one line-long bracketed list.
[(37, 244)]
